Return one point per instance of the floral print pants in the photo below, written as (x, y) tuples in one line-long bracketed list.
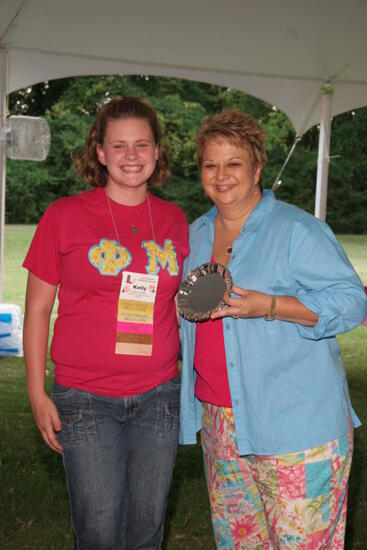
[(290, 501)]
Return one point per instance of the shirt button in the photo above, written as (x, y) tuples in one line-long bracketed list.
[(231, 365), (235, 401), (227, 326)]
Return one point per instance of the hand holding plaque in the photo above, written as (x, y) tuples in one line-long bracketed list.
[(202, 291)]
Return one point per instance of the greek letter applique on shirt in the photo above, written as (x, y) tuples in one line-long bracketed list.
[(162, 256), (109, 257)]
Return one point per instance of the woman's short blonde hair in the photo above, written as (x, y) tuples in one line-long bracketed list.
[(86, 162), (239, 129)]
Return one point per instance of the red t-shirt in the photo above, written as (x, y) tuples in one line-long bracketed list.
[(83, 345), (210, 363)]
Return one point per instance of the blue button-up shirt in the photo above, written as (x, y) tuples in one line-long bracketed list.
[(287, 381)]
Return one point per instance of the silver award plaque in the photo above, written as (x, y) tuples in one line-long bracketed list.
[(202, 291)]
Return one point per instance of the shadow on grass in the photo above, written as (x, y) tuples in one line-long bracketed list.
[(354, 353), (188, 523), (357, 496)]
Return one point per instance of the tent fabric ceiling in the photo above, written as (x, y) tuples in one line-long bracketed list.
[(282, 52)]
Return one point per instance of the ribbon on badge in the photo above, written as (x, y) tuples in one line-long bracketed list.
[(134, 335)]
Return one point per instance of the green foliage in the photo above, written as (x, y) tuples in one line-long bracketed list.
[(298, 179), (189, 195), (68, 133), (70, 106), (347, 197), (32, 186), (35, 100), (180, 123), (28, 191)]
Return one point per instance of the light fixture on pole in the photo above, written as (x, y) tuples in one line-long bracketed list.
[(27, 138), (21, 138)]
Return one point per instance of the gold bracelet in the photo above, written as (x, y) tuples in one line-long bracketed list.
[(271, 315)]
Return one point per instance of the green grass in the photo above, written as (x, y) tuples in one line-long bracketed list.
[(356, 248), (17, 241), (34, 508)]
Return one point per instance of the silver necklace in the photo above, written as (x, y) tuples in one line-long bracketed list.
[(134, 229)]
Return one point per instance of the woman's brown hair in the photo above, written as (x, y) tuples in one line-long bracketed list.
[(86, 162)]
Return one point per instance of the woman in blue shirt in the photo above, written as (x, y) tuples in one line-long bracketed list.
[(278, 446)]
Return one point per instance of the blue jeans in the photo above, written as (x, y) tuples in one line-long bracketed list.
[(119, 455)]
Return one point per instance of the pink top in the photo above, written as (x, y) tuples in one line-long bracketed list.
[(212, 384), (63, 252)]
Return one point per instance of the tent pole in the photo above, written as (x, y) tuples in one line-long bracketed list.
[(3, 113), (323, 154)]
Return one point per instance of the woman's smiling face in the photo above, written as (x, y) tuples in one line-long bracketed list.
[(128, 152), (228, 175)]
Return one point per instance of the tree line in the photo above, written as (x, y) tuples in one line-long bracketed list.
[(70, 106)]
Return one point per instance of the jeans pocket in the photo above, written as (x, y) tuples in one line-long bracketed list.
[(171, 421), (175, 382), (61, 391), (168, 407), (76, 415)]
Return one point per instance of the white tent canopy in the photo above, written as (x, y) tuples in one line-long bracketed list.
[(280, 51)]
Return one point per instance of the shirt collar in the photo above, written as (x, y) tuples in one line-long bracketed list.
[(255, 219)]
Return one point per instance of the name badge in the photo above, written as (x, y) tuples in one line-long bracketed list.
[(135, 314)]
